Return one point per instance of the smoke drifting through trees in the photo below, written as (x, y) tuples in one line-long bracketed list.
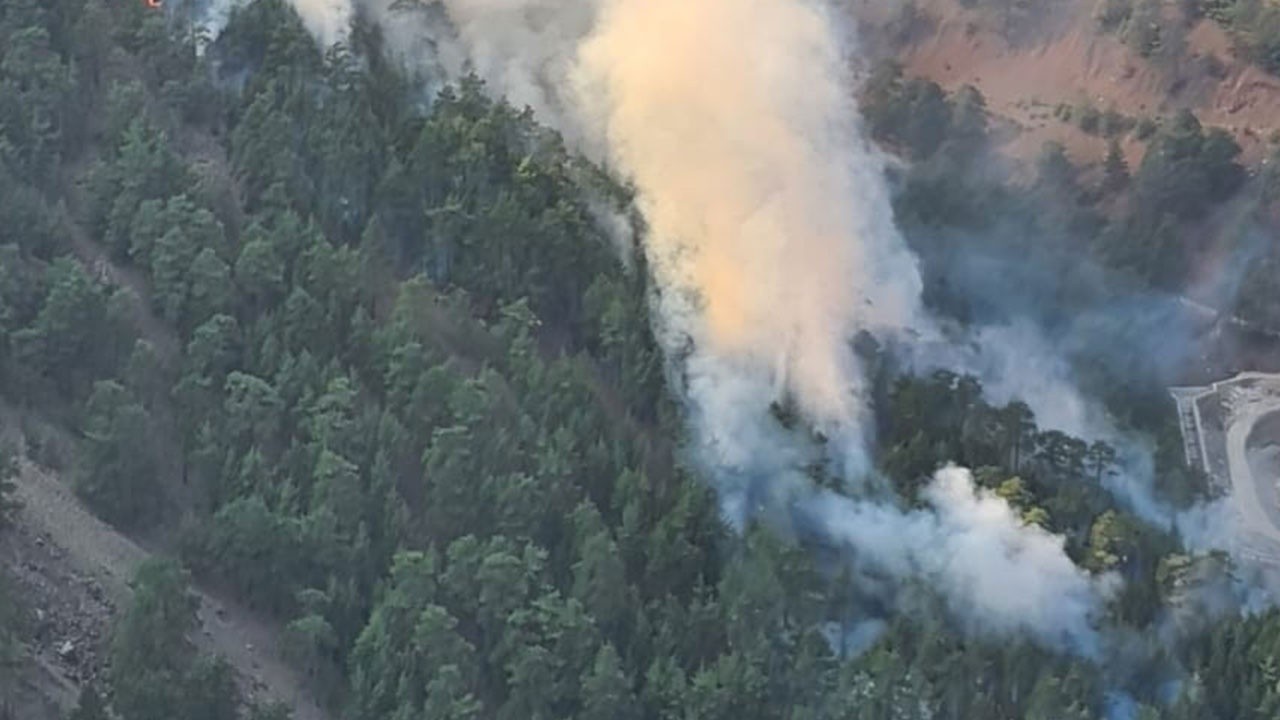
[(772, 237), (771, 234), (974, 548)]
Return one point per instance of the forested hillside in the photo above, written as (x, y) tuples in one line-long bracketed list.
[(376, 361)]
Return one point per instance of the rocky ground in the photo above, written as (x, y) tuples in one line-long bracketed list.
[(71, 571), (67, 617)]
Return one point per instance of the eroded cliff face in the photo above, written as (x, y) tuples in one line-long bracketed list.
[(1026, 67)]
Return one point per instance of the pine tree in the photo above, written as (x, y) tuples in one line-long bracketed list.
[(8, 471), (606, 693), (1115, 171)]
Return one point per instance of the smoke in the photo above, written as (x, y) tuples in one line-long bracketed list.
[(1120, 706), (1016, 361), (857, 639), (771, 234), (995, 573), (524, 49), (327, 20), (762, 199)]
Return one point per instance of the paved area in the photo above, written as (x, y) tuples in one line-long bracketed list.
[(1231, 430)]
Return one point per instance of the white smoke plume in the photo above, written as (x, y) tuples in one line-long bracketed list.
[(327, 20), (772, 238), (524, 49), (996, 574), (763, 201)]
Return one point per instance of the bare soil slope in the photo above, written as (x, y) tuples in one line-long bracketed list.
[(73, 570), (1066, 59)]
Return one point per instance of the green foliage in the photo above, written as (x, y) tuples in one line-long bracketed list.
[(28, 222), (142, 168), (119, 467), (423, 418), (913, 113), (1013, 17), (190, 280), (607, 691), (1089, 118), (1146, 128), (1184, 172), (10, 620), (311, 643), (268, 39), (1147, 27), (8, 472), (1238, 661), (1115, 171), (1143, 30), (1111, 15), (1254, 25), (271, 711), (209, 690), (37, 99), (416, 642), (1051, 478), (155, 673), (67, 344)]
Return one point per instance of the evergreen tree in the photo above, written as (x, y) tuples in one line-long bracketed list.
[(1115, 171)]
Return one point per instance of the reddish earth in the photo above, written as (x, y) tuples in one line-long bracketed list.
[(1066, 59)]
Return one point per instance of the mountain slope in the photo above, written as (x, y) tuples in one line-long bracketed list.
[(1064, 58)]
